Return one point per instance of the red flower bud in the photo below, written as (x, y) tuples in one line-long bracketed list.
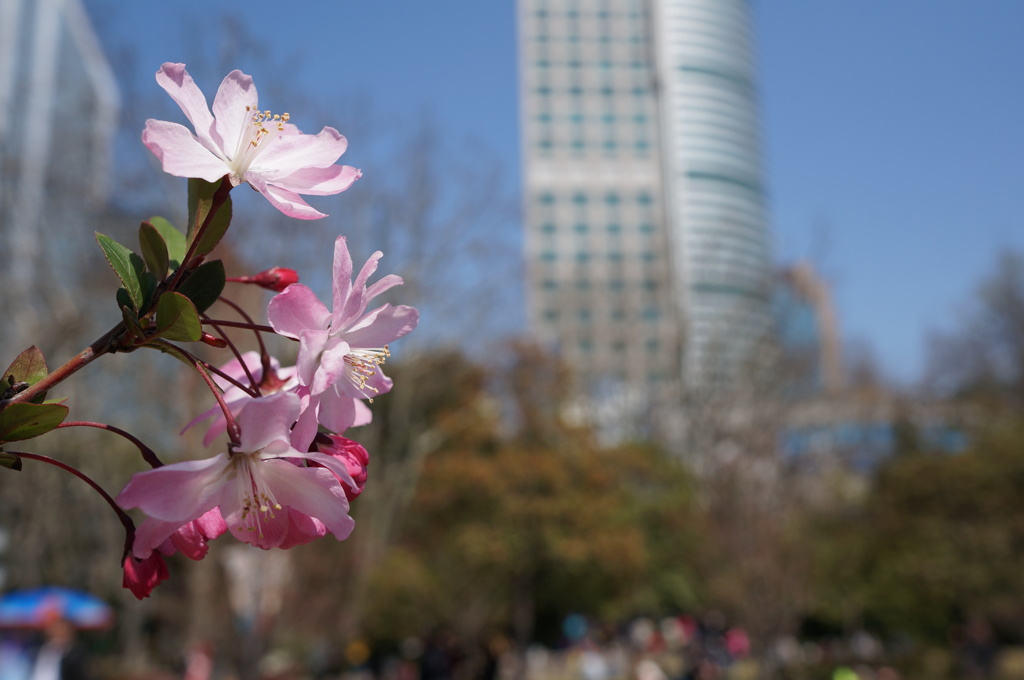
[(276, 278), (141, 576), (355, 458)]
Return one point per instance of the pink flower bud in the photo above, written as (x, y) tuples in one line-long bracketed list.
[(355, 458), (276, 278), (141, 576)]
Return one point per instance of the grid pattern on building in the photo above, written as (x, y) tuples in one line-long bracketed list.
[(599, 270), (647, 252)]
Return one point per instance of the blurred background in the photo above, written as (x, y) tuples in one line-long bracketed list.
[(720, 371)]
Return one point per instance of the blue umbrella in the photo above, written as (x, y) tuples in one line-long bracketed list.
[(37, 607)]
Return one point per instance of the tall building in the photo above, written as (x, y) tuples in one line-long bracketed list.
[(648, 258), (59, 106)]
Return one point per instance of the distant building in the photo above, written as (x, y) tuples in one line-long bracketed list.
[(808, 333), (58, 113), (648, 256)]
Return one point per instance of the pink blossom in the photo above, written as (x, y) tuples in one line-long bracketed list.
[(340, 352), (261, 487), (246, 144)]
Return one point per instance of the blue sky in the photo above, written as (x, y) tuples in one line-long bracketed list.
[(893, 131)]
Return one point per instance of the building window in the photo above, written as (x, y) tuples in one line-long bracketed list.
[(549, 256), (548, 228), (547, 199), (614, 228), (580, 228), (579, 198)]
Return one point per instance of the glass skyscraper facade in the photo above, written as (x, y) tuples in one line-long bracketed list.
[(647, 252)]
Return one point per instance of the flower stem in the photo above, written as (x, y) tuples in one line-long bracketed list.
[(147, 453), (264, 354), (219, 197), (234, 432), (126, 521)]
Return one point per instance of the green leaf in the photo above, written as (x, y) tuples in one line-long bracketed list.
[(131, 321), (29, 366), (149, 284), (204, 284), (177, 318), (128, 266), (200, 201), (25, 421), (10, 461), (173, 239), (154, 250)]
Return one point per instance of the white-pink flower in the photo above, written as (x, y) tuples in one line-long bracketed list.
[(246, 144), (262, 488), (340, 351)]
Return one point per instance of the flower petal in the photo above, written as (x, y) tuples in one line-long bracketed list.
[(314, 492), (293, 151), (179, 492), (341, 275), (150, 534), (301, 530), (311, 347), (306, 426), (180, 153), (176, 81), (267, 419), (288, 202), (337, 411), (383, 325), (296, 309), (319, 181), (332, 367), (363, 416), (234, 107), (334, 465), (385, 283)]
